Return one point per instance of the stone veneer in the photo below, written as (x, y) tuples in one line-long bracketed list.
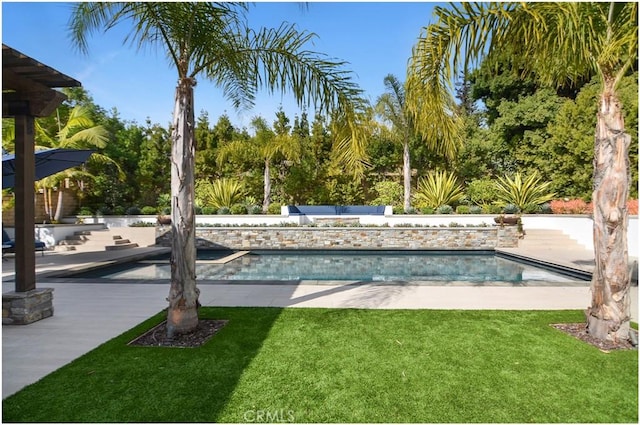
[(22, 308), (247, 238)]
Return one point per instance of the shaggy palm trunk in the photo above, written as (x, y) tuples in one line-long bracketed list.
[(267, 187), (407, 176), (608, 315), (182, 316)]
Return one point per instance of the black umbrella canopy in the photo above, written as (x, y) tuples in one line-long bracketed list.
[(48, 162)]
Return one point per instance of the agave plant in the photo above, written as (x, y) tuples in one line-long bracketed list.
[(521, 191), (438, 188), (219, 193)]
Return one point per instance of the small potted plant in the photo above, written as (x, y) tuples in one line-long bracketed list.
[(509, 216)]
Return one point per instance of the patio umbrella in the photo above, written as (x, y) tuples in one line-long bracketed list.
[(48, 162)]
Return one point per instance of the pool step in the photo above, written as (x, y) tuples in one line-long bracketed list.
[(95, 240)]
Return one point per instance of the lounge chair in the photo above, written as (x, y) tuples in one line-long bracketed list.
[(9, 245)]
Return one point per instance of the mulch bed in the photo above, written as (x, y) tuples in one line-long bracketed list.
[(579, 330), (157, 336)]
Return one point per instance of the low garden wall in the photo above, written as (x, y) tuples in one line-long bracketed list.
[(352, 238)]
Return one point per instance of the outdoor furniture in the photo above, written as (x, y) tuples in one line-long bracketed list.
[(9, 245)]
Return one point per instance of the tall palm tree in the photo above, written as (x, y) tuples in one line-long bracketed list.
[(266, 144), (213, 41), (392, 107), (79, 132), (558, 43)]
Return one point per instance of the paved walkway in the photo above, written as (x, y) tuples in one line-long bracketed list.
[(88, 314)]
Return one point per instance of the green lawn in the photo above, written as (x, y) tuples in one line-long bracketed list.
[(337, 365)]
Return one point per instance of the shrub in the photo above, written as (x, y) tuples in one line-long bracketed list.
[(389, 193), (85, 211), (427, 210), (142, 224), (219, 193), (398, 210), (481, 192), (166, 211), (274, 208), (510, 209), (444, 209), (569, 206), (224, 211), (208, 210), (197, 210), (492, 209), (149, 210), (531, 209), (437, 189), (133, 211), (254, 209), (411, 210), (103, 210), (632, 206), (164, 200), (475, 209), (118, 210), (463, 209), (238, 209), (545, 208), (522, 191)]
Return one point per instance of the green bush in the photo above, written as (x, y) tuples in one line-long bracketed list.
[(85, 211), (118, 210), (149, 210), (389, 193), (208, 211), (166, 211), (437, 189), (546, 208), (103, 210), (274, 208), (164, 200), (481, 192), (238, 209), (475, 209), (510, 209), (427, 210), (521, 191), (444, 209), (463, 209), (254, 209), (532, 209), (491, 209), (133, 211), (224, 211), (219, 193), (398, 210)]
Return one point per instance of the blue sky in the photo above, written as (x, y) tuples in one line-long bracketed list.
[(374, 37)]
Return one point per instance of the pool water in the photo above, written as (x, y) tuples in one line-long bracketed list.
[(364, 266)]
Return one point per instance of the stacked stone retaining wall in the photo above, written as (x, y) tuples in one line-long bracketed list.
[(245, 238)]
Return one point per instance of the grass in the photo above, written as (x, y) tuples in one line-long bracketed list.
[(346, 365)]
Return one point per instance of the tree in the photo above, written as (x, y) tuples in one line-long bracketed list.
[(391, 106), (79, 132), (214, 41), (559, 43), (266, 144)]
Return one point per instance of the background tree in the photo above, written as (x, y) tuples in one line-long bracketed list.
[(558, 43), (391, 107)]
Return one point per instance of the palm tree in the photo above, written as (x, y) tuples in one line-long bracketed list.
[(213, 40), (391, 106), (557, 43), (79, 132), (266, 144)]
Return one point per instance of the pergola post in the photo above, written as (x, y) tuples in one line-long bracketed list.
[(27, 93), (25, 260)]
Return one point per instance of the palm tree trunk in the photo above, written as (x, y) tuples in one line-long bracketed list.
[(608, 315), (407, 176), (58, 214), (267, 187), (182, 316)]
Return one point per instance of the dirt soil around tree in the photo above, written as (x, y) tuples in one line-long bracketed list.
[(157, 336), (579, 330)]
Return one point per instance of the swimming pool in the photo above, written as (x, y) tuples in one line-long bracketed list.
[(438, 267)]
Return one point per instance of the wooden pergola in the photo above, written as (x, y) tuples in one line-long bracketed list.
[(27, 93)]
